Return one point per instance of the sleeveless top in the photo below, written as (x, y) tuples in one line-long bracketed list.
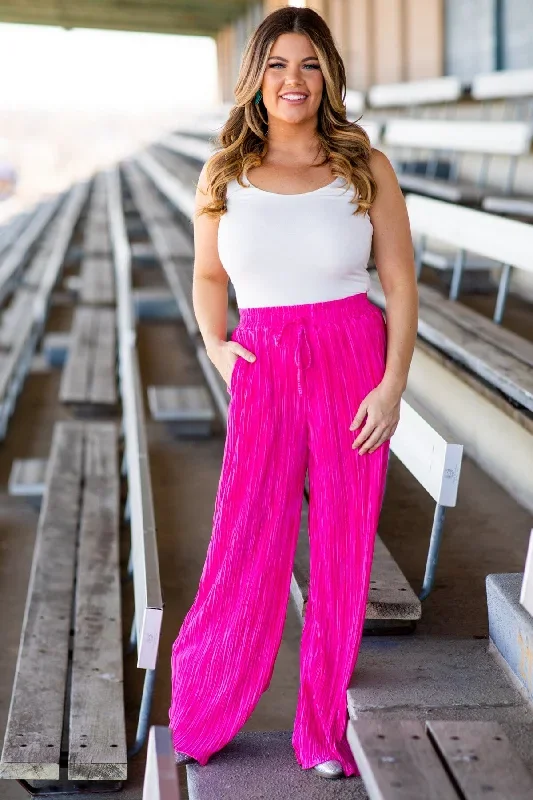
[(289, 249)]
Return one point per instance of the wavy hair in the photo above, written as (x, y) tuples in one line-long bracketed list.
[(242, 142)]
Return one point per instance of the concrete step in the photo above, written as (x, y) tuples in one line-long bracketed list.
[(430, 677), (261, 765), (511, 626)]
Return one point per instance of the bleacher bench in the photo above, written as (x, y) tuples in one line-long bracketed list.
[(96, 279), (15, 259), (143, 564), (67, 706), (88, 378), (486, 138), (499, 357), (24, 319), (441, 759), (96, 239)]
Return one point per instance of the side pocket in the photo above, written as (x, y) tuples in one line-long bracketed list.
[(233, 375)]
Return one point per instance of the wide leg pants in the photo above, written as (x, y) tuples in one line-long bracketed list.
[(289, 412)]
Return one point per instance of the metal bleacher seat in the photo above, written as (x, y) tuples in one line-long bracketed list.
[(515, 89), (71, 647), (498, 356), (448, 89), (488, 139), (65, 671), (88, 381)]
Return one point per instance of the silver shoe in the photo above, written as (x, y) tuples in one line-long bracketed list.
[(329, 769), (183, 758)]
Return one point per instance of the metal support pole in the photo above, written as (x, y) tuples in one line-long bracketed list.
[(124, 464), (457, 275), (129, 569), (133, 637), (503, 288), (144, 713), (419, 252), (433, 551)]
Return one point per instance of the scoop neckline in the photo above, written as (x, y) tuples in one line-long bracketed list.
[(294, 194)]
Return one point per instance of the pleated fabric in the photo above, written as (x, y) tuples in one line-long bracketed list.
[(289, 412)]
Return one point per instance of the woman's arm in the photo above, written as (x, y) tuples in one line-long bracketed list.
[(394, 258), (210, 288)]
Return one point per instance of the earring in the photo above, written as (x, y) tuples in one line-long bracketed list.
[(258, 96)]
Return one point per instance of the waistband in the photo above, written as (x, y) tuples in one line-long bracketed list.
[(317, 313)]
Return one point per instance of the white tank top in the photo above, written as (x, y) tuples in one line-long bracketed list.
[(288, 249)]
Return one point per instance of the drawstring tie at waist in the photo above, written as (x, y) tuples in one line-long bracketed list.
[(302, 338)]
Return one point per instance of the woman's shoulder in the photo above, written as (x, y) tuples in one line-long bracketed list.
[(380, 165)]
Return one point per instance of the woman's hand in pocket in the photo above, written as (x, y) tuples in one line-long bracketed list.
[(224, 355)]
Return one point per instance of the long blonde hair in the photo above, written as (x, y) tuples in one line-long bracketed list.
[(242, 141)]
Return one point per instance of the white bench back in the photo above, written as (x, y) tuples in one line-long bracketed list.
[(188, 146), (146, 578), (494, 138), (505, 240), (182, 197), (355, 101), (161, 773), (526, 593), (374, 130), (428, 451), (448, 89), (507, 83), (201, 150)]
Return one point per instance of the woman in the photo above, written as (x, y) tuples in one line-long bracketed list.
[(315, 377)]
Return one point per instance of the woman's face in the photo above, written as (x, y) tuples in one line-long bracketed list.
[(292, 70)]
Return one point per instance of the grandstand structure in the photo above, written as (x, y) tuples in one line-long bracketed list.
[(112, 424)]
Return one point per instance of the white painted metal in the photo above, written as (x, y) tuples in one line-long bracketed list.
[(355, 101), (427, 450), (161, 775), (374, 130), (526, 593), (497, 238), (188, 146), (507, 83), (147, 586), (181, 196), (472, 136), (435, 90)]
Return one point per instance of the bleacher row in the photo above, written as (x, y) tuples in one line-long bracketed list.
[(71, 648)]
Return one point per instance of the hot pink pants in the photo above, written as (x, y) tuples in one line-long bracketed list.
[(289, 411)]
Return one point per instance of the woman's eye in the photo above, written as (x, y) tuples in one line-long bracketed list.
[(311, 66)]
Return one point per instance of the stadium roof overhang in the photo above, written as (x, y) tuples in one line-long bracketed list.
[(191, 17)]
